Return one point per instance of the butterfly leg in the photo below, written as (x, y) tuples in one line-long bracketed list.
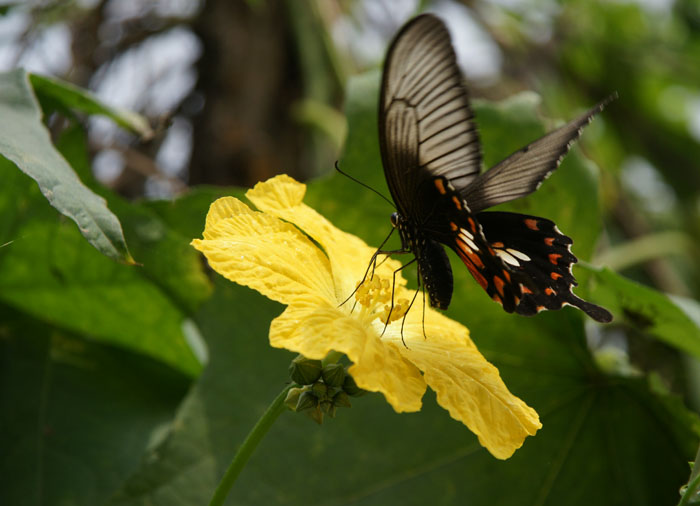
[(372, 265), (393, 286)]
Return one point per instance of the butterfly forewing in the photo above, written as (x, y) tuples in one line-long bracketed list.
[(522, 172), (425, 121)]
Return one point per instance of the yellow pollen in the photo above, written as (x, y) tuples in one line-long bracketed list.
[(400, 308)]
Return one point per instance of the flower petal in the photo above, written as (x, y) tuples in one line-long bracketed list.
[(313, 328), (264, 253), (467, 385), (282, 196)]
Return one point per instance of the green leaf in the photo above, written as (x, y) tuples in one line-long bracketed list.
[(674, 321), (25, 141), (49, 271), (164, 254), (76, 416), (69, 96)]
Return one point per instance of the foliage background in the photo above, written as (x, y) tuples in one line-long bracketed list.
[(131, 377)]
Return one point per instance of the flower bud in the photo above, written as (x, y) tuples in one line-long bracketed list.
[(320, 390), (316, 415), (333, 374), (351, 387), (305, 371), (341, 400), (292, 399), (307, 400)]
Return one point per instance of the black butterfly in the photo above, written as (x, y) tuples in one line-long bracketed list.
[(431, 156)]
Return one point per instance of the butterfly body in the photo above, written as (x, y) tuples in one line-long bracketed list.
[(432, 162)]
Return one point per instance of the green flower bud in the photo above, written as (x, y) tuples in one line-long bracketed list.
[(320, 389), (316, 415), (305, 371), (341, 400), (333, 374), (292, 399), (351, 387), (307, 400)]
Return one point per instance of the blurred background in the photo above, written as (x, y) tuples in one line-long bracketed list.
[(241, 90)]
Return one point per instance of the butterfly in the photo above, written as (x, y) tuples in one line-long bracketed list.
[(431, 155)]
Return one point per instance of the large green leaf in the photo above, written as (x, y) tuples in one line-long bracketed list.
[(75, 416), (673, 321), (606, 439), (25, 141), (49, 271)]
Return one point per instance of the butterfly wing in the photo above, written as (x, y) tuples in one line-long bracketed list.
[(522, 172), (523, 262), (426, 126), (534, 247)]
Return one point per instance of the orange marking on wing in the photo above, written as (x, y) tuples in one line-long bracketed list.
[(506, 275), (555, 276), (497, 244), (525, 289), (531, 224), (549, 291), (517, 301), (473, 257), (553, 257), (472, 224), (540, 308), (440, 186), (467, 259), (549, 241), (499, 284), (497, 299), (457, 202), (453, 226)]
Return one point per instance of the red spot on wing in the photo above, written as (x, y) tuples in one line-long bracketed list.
[(458, 204), (553, 257), (506, 275), (549, 241), (497, 299), (525, 289), (473, 257), (497, 244), (499, 284), (555, 276), (540, 308), (549, 291), (453, 226), (440, 186), (473, 270), (472, 224), (531, 224)]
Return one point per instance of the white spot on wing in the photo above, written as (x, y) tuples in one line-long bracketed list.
[(507, 257), (518, 254)]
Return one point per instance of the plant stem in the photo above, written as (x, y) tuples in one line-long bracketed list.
[(248, 447)]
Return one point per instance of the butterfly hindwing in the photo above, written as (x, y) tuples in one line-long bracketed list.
[(535, 247)]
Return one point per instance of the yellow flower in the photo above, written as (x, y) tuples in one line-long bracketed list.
[(313, 272)]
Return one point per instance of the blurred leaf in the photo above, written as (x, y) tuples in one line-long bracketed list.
[(650, 311), (25, 141), (50, 272), (76, 416), (164, 254), (69, 96)]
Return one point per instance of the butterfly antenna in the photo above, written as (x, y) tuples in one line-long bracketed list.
[(362, 184)]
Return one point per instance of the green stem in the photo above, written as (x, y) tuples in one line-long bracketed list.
[(248, 447), (690, 491)]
